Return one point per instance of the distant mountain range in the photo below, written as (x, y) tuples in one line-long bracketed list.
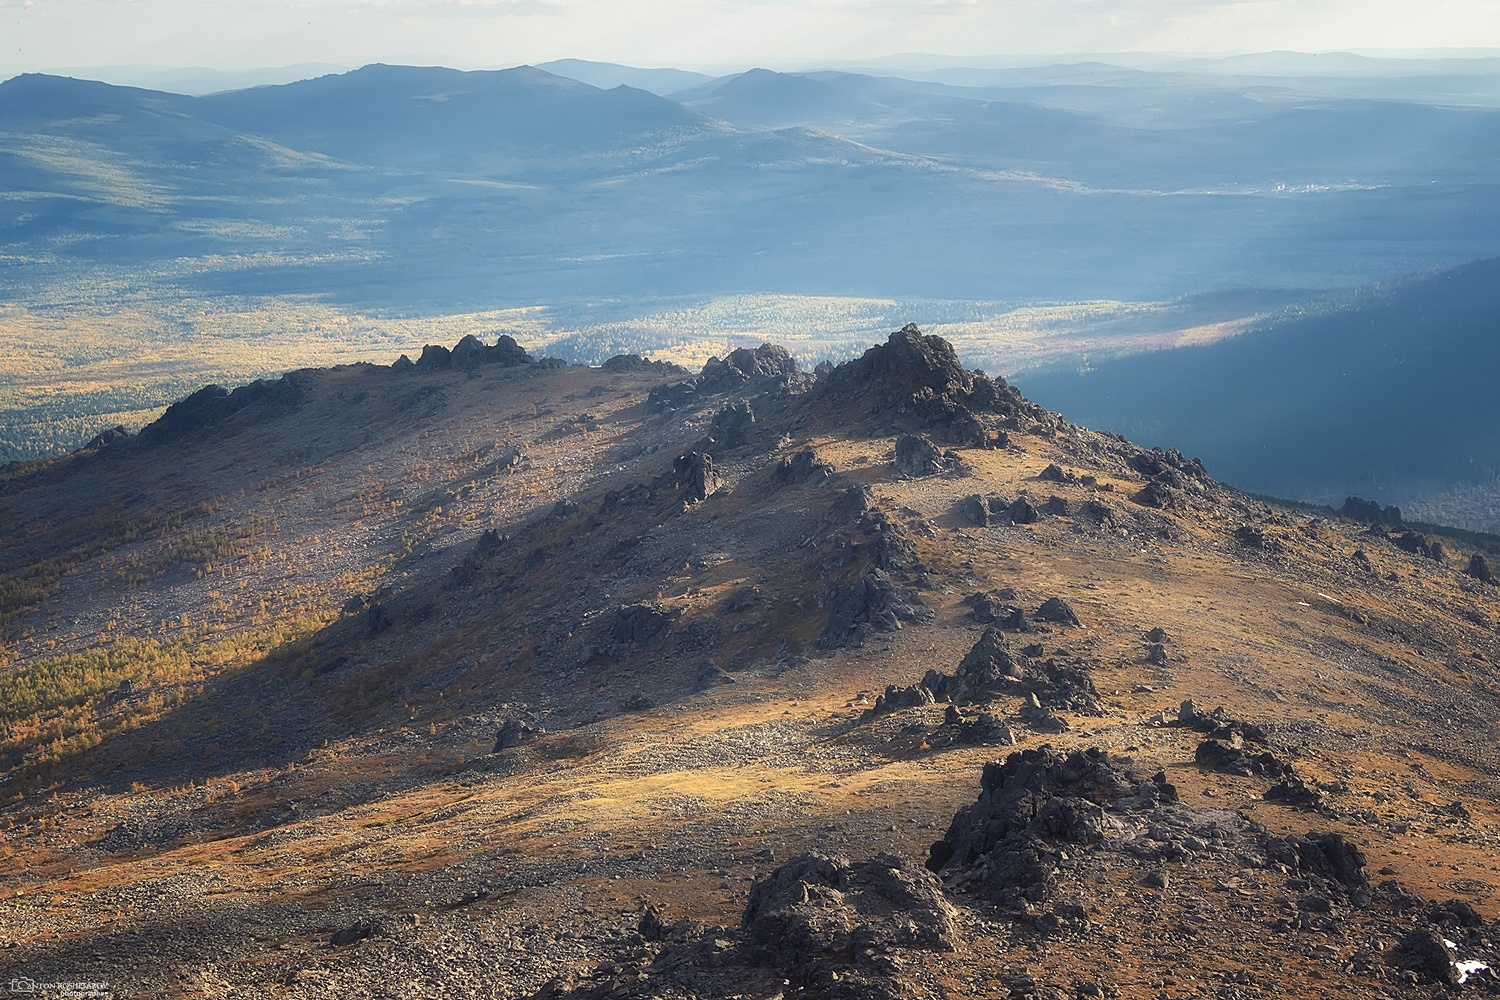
[(1390, 395), (420, 188)]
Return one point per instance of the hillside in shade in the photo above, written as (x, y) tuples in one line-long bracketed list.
[(1390, 394)]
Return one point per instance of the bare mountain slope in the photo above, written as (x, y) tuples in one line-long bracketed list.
[(488, 677)]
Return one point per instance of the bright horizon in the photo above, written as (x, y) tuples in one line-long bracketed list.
[(708, 35)]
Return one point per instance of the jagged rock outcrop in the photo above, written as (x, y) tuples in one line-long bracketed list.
[(1005, 847), (998, 608), (213, 404), (107, 437), (768, 367), (761, 368), (622, 364), (835, 927), (896, 698), (990, 670), (471, 352), (915, 383), (874, 603), (1369, 512)]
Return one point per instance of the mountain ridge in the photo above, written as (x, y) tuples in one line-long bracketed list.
[(538, 680)]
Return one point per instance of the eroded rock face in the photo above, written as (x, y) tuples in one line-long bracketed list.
[(804, 466)]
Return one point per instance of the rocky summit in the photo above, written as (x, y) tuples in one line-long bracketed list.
[(483, 675)]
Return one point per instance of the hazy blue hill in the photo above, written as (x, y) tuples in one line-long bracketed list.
[(34, 98), (80, 156), (760, 98), (405, 116), (607, 75), (1389, 395)]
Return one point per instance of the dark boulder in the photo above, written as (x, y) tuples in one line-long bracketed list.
[(823, 910), (512, 733), (804, 466), (917, 456), (733, 425), (696, 477), (974, 510), (1424, 952), (1057, 611), (1479, 569), (640, 623)]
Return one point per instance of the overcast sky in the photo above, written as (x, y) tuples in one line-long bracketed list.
[(701, 34)]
